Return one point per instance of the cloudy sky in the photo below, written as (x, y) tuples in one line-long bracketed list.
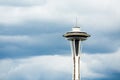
[(32, 46)]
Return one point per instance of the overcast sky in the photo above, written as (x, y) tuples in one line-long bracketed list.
[(32, 46)]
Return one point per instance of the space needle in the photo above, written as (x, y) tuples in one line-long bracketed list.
[(76, 36)]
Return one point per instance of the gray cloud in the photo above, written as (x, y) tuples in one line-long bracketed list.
[(103, 41), (31, 39), (22, 2), (43, 38)]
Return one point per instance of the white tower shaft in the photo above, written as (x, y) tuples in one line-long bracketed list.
[(76, 59)]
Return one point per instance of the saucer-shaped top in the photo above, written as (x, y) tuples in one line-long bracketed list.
[(76, 35)]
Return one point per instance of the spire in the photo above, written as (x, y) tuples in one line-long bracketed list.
[(76, 24), (76, 28)]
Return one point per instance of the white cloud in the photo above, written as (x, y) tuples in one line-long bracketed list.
[(38, 67), (103, 62), (98, 14), (33, 68)]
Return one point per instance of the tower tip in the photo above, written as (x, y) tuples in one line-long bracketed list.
[(76, 29)]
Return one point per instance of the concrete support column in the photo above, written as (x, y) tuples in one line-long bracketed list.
[(76, 59)]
